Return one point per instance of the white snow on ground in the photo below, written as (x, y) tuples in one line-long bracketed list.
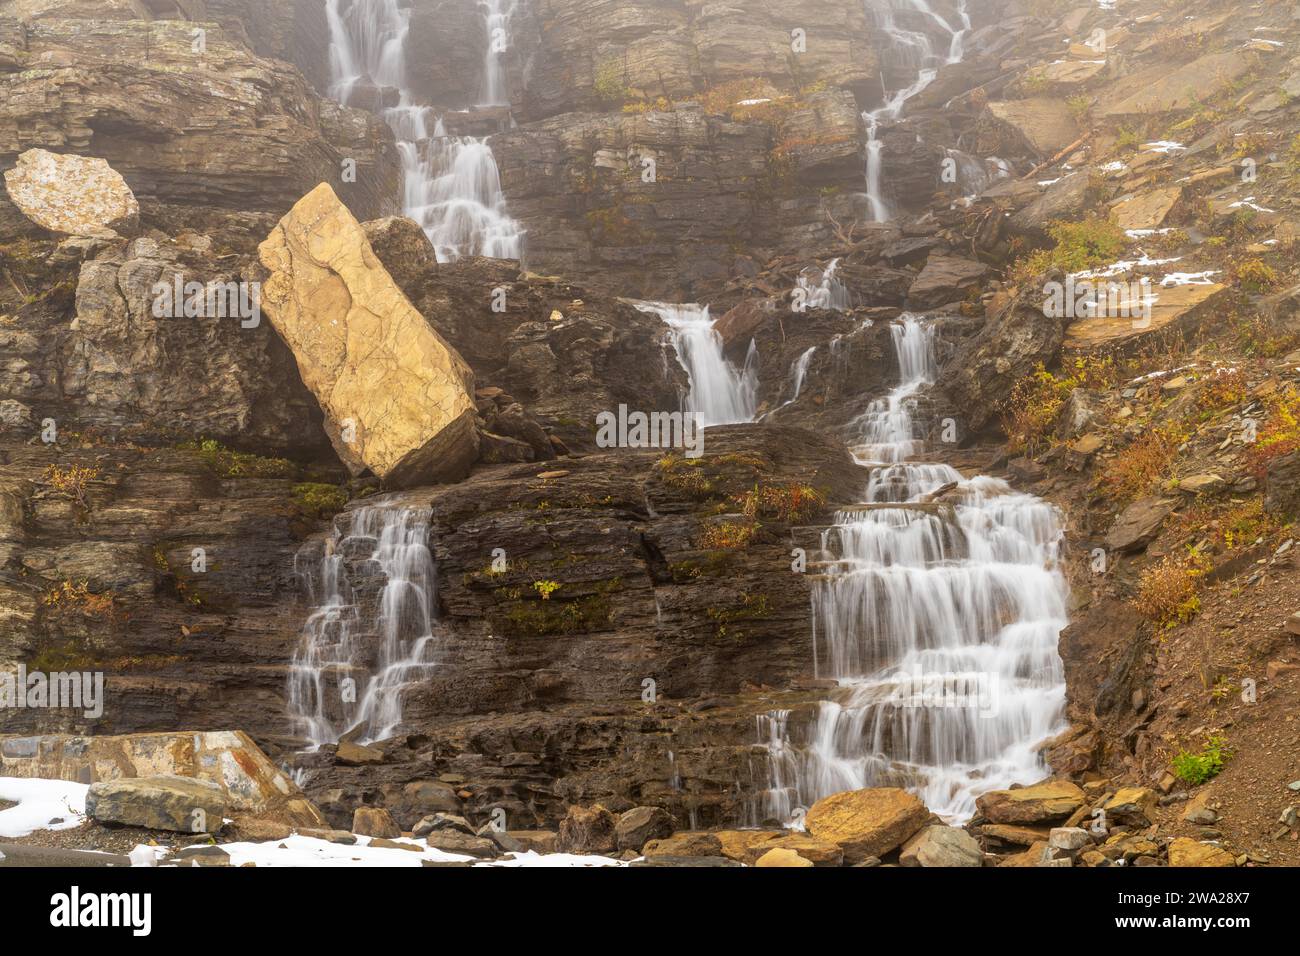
[(1249, 203), (1188, 278), (1163, 146), (1122, 267), (42, 805), (300, 850), (1144, 233)]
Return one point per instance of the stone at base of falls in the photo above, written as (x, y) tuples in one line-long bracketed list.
[(640, 825), (1138, 524), (1132, 806), (866, 823), (1184, 851), (397, 398), (374, 822), (453, 841), (686, 843), (164, 802), (736, 844), (780, 857), (587, 830), (1050, 800), (356, 755), (816, 852), (251, 785), (941, 846), (73, 195)]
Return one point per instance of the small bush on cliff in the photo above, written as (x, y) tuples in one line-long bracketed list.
[(1134, 470), (787, 503), (77, 598), (228, 463), (1280, 432), (1255, 276), (608, 83), (319, 500), (1167, 592), (728, 535), (1086, 244), (1196, 769), (71, 482)]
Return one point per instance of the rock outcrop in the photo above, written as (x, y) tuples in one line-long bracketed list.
[(72, 195), (398, 399)]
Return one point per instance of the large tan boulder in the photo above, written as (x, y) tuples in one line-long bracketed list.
[(73, 195), (1049, 800), (867, 823), (397, 398)]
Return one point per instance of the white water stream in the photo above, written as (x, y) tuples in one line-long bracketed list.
[(917, 48), (939, 621), (451, 185), (373, 592), (719, 392)]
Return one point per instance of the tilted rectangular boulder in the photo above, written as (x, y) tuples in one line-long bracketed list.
[(397, 398)]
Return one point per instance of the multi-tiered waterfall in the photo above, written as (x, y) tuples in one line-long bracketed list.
[(372, 585), (939, 619), (451, 185), (912, 28), (719, 392)]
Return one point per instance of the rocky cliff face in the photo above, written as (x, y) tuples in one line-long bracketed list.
[(165, 480)]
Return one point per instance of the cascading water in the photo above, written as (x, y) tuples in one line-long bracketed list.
[(496, 16), (373, 590), (451, 185), (719, 393), (826, 291), (939, 620), (917, 49)]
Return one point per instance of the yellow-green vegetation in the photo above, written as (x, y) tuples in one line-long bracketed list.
[(1280, 432), (62, 657), (1132, 472), (71, 597), (577, 615), (237, 464), (1256, 276), (71, 482), (1196, 769), (319, 500), (686, 475), (787, 503), (752, 607), (546, 588), (728, 535), (1029, 414), (1167, 592), (608, 83), (1224, 389), (1086, 244)]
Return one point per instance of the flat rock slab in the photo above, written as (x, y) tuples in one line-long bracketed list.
[(251, 785), (1044, 123), (1050, 800), (1137, 525), (1181, 303), (397, 398), (73, 195)]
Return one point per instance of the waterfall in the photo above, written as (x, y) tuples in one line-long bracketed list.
[(918, 51), (718, 392), (373, 592), (828, 292), (451, 184), (496, 16), (938, 620)]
